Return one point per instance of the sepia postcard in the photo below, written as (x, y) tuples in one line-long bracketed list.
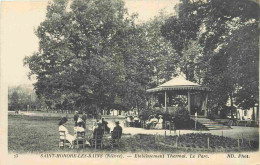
[(129, 82)]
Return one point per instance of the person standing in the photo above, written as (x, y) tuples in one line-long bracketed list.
[(104, 124), (84, 118), (76, 117), (136, 121), (99, 115), (125, 122)]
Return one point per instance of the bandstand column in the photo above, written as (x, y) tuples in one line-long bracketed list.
[(165, 100), (206, 107), (189, 101)]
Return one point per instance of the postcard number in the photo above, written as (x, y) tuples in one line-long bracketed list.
[(15, 155)]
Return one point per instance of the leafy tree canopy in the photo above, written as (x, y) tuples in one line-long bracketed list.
[(217, 43)]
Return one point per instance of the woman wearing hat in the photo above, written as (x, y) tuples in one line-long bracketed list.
[(159, 125), (62, 127), (80, 126)]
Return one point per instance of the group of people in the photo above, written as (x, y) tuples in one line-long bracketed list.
[(131, 121), (80, 120), (80, 126), (154, 122)]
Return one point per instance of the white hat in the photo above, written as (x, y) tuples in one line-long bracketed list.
[(79, 120)]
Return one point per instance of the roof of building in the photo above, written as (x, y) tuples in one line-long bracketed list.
[(178, 83)]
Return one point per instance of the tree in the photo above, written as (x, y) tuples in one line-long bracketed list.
[(90, 56), (208, 36), (21, 96), (163, 58), (244, 64), (14, 101)]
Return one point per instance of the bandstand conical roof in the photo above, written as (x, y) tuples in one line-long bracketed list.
[(179, 83)]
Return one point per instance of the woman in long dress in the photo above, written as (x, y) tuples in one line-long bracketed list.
[(79, 127), (62, 127), (160, 123)]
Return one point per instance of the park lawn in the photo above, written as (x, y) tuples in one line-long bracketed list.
[(27, 134), (37, 134), (40, 134)]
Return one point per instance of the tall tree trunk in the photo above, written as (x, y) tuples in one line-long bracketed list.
[(253, 115), (157, 78), (231, 109), (137, 107), (257, 112)]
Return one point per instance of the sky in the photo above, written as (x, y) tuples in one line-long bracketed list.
[(20, 18)]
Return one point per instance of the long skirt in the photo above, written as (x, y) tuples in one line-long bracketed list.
[(70, 138)]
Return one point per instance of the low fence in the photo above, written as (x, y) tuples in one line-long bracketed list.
[(198, 142)]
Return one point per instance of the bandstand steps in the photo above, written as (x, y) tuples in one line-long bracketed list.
[(210, 124)]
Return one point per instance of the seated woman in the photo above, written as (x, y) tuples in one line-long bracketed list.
[(80, 126), (80, 129), (152, 123), (62, 127)]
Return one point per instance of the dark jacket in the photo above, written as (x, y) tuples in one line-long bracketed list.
[(76, 116), (104, 123), (117, 132), (84, 118), (98, 132)]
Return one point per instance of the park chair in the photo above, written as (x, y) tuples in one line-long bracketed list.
[(63, 142), (80, 139), (114, 142), (237, 122), (172, 126), (97, 141), (142, 124), (105, 130), (167, 125)]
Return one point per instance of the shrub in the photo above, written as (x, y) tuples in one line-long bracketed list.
[(181, 118), (211, 116), (145, 114)]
